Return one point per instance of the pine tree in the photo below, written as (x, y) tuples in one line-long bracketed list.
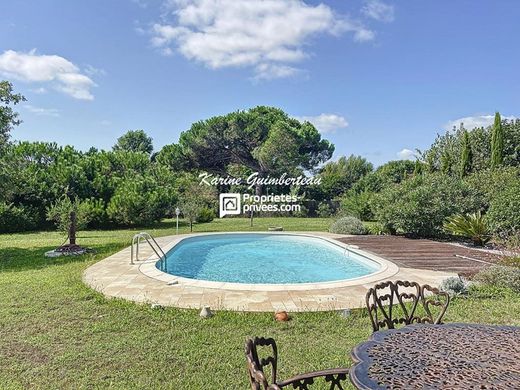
[(497, 143), (467, 155)]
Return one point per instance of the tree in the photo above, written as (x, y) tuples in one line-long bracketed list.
[(497, 143), (263, 139), (195, 200), (69, 217), (466, 156), (190, 207), (337, 177), (8, 118), (134, 141), (392, 172)]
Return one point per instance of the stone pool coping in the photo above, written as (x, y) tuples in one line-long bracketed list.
[(143, 282)]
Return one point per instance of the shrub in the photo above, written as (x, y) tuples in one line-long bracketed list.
[(473, 226), (139, 201), (302, 213), (490, 182), (377, 229), (511, 249), (16, 218), (454, 286), (205, 215), (348, 225), (95, 211), (357, 205), (487, 291), (500, 276), (325, 210), (392, 172), (418, 206), (503, 213)]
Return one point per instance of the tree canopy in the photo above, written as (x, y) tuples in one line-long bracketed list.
[(262, 139), (8, 117), (337, 177), (134, 141)]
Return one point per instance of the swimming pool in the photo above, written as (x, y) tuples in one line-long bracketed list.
[(257, 258)]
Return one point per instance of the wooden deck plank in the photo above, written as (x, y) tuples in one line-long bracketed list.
[(424, 254)]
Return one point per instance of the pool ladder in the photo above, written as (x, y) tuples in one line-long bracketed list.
[(136, 240), (346, 252)]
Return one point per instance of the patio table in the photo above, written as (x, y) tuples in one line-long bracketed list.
[(449, 356)]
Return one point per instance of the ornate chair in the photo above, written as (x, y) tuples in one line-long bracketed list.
[(259, 380), (388, 305), (431, 296)]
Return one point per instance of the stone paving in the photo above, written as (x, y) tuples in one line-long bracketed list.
[(143, 282)]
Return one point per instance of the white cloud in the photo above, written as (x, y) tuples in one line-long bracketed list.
[(274, 71), (93, 71), (471, 122), (268, 36), (62, 74), (39, 90), (42, 111), (105, 122), (326, 123), (378, 10), (406, 154)]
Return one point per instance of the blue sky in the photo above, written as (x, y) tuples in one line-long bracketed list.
[(375, 76)]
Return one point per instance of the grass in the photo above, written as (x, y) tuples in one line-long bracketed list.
[(57, 333)]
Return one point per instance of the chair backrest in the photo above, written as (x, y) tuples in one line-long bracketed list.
[(384, 299), (256, 365), (393, 303), (431, 296)]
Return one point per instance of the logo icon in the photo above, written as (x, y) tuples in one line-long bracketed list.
[(229, 204)]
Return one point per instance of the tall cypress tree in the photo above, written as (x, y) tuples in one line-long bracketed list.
[(497, 143), (467, 155), (446, 163)]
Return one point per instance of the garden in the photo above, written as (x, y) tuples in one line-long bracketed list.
[(57, 332)]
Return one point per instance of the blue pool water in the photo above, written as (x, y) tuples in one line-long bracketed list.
[(263, 258)]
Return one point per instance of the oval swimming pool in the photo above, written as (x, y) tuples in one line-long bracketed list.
[(259, 258)]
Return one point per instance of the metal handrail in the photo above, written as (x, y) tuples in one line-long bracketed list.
[(346, 252), (151, 242)]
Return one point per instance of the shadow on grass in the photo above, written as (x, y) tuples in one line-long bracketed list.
[(23, 259)]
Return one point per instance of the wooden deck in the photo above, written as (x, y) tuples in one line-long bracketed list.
[(424, 254)]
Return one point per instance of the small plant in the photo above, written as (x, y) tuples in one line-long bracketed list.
[(500, 276), (454, 286), (69, 216), (60, 214), (473, 226), (377, 229), (205, 215), (348, 225)]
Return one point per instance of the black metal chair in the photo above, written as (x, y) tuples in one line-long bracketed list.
[(392, 303), (262, 380)]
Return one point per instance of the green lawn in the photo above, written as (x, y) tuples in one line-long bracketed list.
[(57, 333)]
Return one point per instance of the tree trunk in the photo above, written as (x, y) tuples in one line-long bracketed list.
[(258, 187), (72, 228), (251, 219), (191, 225)]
